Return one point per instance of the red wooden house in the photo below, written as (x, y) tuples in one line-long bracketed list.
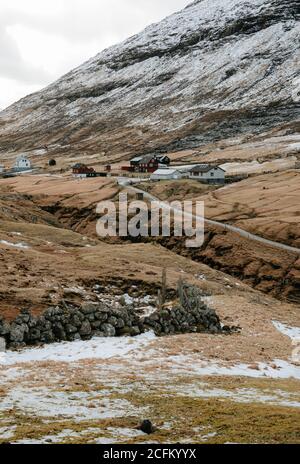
[(147, 163), (80, 169)]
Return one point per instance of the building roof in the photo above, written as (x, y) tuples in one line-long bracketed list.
[(136, 159), (21, 158), (164, 171), (204, 168), (162, 157), (79, 165), (146, 158)]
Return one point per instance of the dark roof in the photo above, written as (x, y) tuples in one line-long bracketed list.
[(79, 165), (136, 159), (147, 158), (204, 168), (162, 157)]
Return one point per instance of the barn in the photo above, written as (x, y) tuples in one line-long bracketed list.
[(166, 174)]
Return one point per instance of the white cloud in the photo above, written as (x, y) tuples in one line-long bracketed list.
[(41, 40), (13, 65)]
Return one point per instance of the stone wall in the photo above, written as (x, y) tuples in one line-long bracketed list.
[(197, 316), (191, 314), (59, 324), (178, 320)]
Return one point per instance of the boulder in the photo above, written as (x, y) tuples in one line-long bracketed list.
[(96, 325), (34, 334), (49, 337), (101, 316), (17, 332), (85, 329), (4, 328), (134, 331), (112, 320), (58, 331), (147, 427), (88, 308), (70, 329), (108, 330), (2, 344), (120, 323)]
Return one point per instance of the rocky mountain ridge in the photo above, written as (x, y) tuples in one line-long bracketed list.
[(211, 71)]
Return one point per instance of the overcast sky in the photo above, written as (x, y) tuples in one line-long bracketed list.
[(40, 40)]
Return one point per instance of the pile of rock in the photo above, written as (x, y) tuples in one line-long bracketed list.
[(168, 321), (58, 324), (192, 314)]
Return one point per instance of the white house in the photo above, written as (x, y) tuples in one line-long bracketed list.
[(2, 168), (208, 174), (166, 174), (22, 164)]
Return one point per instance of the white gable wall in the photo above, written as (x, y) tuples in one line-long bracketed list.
[(214, 173), (22, 163)]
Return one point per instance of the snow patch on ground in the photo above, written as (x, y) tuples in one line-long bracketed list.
[(242, 395), (294, 146), (67, 433), (22, 246), (48, 438), (46, 403), (124, 432), (292, 332), (278, 370), (7, 432), (97, 348), (142, 349), (254, 166)]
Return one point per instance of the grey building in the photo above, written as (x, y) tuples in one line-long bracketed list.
[(208, 174)]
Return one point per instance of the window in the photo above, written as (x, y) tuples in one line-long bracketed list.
[(212, 174)]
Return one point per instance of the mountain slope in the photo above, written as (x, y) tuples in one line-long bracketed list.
[(216, 69)]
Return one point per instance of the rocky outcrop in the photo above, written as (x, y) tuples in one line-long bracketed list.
[(23, 208), (212, 71), (277, 274)]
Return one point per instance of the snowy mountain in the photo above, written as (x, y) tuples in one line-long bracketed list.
[(216, 69)]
